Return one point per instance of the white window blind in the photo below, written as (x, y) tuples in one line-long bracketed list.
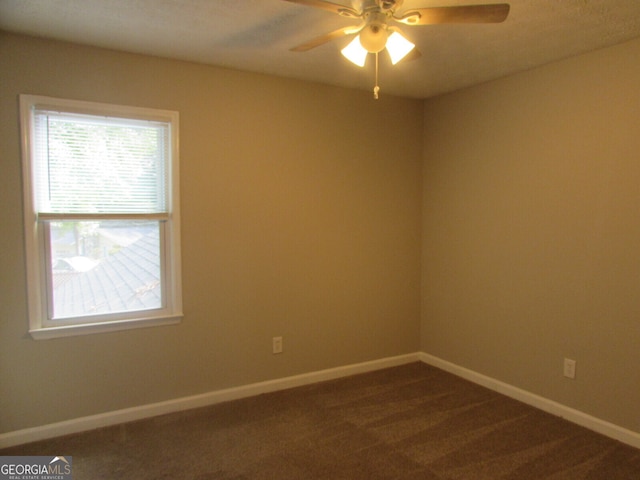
[(104, 165)]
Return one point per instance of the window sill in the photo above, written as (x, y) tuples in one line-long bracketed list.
[(46, 333)]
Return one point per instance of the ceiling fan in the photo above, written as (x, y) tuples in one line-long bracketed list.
[(377, 31)]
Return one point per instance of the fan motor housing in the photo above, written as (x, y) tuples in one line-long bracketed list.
[(373, 36)]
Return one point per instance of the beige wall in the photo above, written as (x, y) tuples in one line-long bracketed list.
[(531, 231), (300, 218)]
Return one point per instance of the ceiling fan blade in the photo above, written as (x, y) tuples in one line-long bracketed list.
[(322, 39), (329, 6), (490, 13)]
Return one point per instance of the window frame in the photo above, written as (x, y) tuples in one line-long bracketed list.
[(36, 228)]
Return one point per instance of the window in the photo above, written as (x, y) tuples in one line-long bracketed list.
[(101, 213)]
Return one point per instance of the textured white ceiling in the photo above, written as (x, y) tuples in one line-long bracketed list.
[(255, 35)]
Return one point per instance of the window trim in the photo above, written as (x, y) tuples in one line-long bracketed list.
[(36, 246)]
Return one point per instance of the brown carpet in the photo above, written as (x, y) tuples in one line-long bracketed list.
[(408, 422)]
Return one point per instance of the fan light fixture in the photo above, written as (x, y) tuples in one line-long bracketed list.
[(396, 44), (373, 39)]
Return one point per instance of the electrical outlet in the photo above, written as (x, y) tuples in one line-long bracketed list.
[(277, 344), (569, 368)]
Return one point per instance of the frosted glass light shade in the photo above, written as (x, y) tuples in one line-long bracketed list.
[(374, 38), (398, 47), (355, 52)]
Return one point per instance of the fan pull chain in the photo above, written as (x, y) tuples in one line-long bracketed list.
[(376, 88)]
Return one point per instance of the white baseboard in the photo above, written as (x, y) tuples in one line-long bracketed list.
[(575, 416), (92, 422)]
